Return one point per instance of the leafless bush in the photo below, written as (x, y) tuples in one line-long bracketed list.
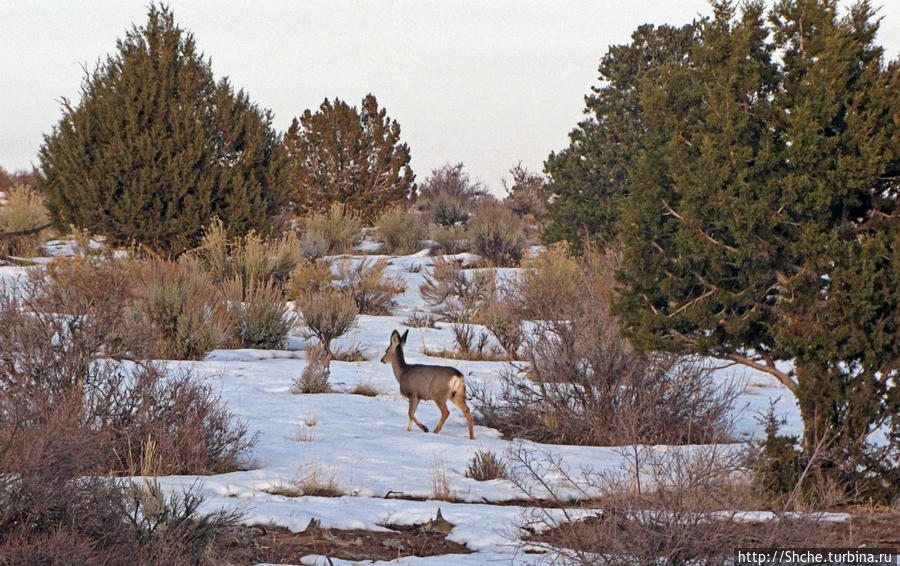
[(314, 245), (485, 465), (260, 316), (420, 320), (460, 296), (672, 506), (503, 320), (328, 315), (53, 355), (371, 289), (498, 235), (449, 196), (400, 231), (585, 384)]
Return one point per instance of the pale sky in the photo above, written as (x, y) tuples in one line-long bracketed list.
[(488, 83)]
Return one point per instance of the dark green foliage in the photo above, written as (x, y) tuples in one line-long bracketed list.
[(348, 156), (752, 182), (591, 176), (156, 148)]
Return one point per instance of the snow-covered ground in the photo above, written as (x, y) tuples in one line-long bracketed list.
[(363, 445)]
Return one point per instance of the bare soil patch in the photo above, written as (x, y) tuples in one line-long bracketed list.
[(278, 545)]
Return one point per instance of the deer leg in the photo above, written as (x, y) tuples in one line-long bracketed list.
[(413, 404), (460, 402), (444, 414)]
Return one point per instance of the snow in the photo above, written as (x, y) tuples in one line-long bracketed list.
[(362, 443)]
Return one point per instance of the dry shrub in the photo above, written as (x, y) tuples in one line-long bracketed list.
[(250, 258), (485, 465), (452, 240), (458, 295), (260, 315), (314, 378), (503, 320), (471, 344), (24, 211), (420, 320), (309, 277), (585, 384), (311, 482), (371, 289), (440, 481), (400, 231), (182, 302), (57, 338), (313, 245), (498, 235), (337, 227), (671, 506), (449, 196), (550, 280), (364, 389), (328, 315)]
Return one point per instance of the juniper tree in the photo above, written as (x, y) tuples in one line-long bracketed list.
[(757, 210), (156, 147), (344, 155)]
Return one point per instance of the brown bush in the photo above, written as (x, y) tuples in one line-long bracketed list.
[(400, 231), (250, 258), (497, 234), (24, 211), (259, 313), (337, 227), (328, 315), (678, 506), (451, 240), (309, 277), (585, 384), (182, 302), (371, 289), (449, 196), (459, 296)]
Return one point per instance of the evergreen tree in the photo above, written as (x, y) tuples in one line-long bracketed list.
[(757, 210), (349, 156), (157, 148), (590, 177)]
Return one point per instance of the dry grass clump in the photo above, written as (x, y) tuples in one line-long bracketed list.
[(497, 234), (309, 277), (185, 307), (314, 482), (314, 378), (24, 211), (337, 227), (371, 289), (259, 314), (452, 240), (471, 344), (364, 389), (485, 466), (400, 231), (459, 295), (250, 258), (440, 480)]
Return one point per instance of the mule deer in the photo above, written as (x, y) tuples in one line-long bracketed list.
[(422, 383)]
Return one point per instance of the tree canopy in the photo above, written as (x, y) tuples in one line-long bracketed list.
[(747, 167), (156, 147), (341, 154)]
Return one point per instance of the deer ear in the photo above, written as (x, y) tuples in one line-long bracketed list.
[(395, 337), (403, 338)]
